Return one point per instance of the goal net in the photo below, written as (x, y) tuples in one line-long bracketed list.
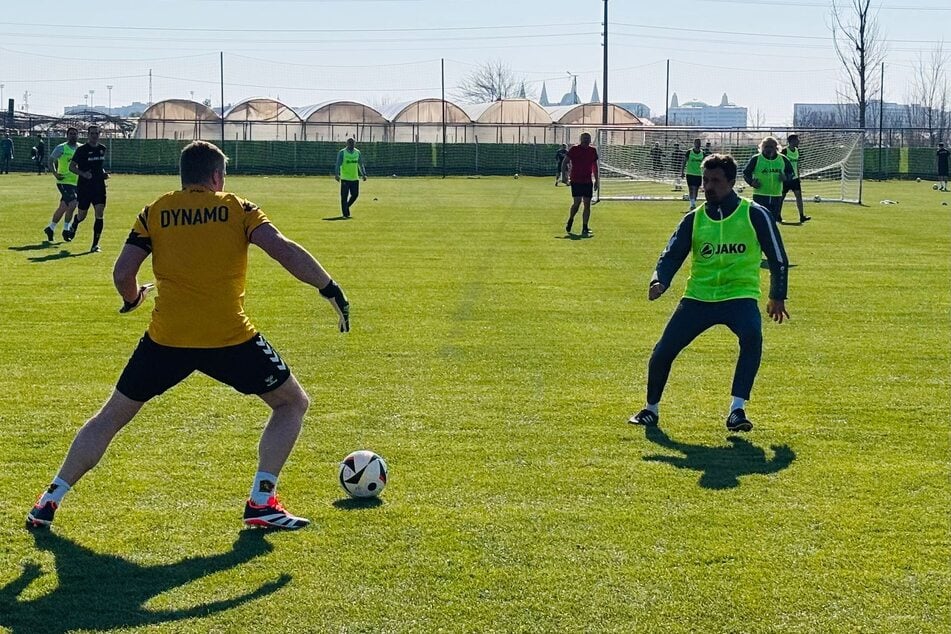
[(645, 164)]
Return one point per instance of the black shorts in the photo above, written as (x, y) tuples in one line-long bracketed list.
[(582, 190), (694, 181), (792, 186), (252, 367), (943, 173), (67, 193), (93, 193)]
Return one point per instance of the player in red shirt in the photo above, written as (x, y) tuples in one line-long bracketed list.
[(581, 164)]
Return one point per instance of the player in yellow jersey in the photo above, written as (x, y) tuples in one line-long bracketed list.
[(349, 170), (198, 238), (66, 183)]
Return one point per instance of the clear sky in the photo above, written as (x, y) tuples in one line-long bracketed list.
[(765, 54)]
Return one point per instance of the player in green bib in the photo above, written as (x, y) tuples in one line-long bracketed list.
[(791, 152), (692, 171), (724, 238), (66, 182), (349, 170), (765, 173)]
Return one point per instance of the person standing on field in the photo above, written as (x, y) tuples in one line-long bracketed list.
[(6, 153), (691, 170), (581, 170), (559, 162), (89, 163), (198, 238), (792, 153), (765, 173), (348, 172), (724, 237), (942, 156)]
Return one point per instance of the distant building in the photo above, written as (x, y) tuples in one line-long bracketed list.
[(570, 98), (636, 108), (118, 111), (839, 115), (703, 115)]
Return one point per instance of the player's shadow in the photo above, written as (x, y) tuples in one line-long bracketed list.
[(764, 264), (720, 467), (62, 254), (98, 591), (572, 236), (356, 504), (34, 247), (335, 218)]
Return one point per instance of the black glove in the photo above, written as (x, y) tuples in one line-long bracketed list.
[(334, 294), (128, 307)]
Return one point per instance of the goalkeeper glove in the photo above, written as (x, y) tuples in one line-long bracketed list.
[(334, 294), (128, 307)]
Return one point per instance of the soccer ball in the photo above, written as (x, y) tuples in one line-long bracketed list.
[(516, 176), (818, 199), (685, 197), (818, 178), (917, 180), (363, 474), (935, 187)]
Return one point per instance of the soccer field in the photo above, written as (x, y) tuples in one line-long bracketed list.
[(493, 364)]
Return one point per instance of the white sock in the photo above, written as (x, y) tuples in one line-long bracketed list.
[(693, 202), (265, 485), (653, 407), (58, 488), (52, 226), (738, 403)]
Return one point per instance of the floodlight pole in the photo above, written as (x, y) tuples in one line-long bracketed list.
[(221, 66), (442, 75), (604, 79), (881, 110), (667, 95)]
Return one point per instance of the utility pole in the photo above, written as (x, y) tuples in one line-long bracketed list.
[(604, 78), (109, 88)]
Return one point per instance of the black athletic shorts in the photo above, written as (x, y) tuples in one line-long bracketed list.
[(93, 193), (792, 186), (252, 367), (582, 190), (67, 193), (943, 172), (694, 181)]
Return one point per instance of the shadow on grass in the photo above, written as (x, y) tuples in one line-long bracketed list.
[(104, 592), (63, 253), (34, 247), (356, 504), (720, 467), (764, 264), (335, 218), (573, 236)]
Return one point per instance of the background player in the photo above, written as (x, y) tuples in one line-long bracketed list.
[(199, 324), (691, 169), (941, 156), (66, 182), (559, 162), (792, 153), (348, 172), (765, 173), (581, 170), (89, 164)]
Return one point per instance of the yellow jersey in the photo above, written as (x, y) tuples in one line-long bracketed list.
[(199, 241)]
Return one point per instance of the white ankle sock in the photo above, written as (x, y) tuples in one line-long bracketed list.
[(265, 485), (52, 226), (654, 408), (738, 403), (58, 488)]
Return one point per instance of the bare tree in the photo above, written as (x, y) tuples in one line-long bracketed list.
[(929, 95), (756, 118), (860, 47), (491, 81)]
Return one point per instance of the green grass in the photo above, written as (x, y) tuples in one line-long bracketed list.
[(493, 364)]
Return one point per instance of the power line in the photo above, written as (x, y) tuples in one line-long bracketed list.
[(767, 36)]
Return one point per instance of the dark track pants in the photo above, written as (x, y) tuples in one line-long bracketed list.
[(690, 319), (349, 191), (773, 203)]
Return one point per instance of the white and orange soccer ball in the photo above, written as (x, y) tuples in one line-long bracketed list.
[(363, 474)]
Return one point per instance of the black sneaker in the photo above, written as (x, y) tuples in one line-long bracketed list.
[(737, 421), (805, 218), (272, 515), (586, 233), (41, 517), (644, 417), (67, 236), (49, 234), (568, 227), (95, 248)]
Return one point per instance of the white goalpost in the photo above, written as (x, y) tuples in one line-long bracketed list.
[(644, 163)]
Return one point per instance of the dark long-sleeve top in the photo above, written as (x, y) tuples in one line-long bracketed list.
[(771, 243), (788, 170)]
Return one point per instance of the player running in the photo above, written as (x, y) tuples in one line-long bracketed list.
[(198, 238), (581, 170), (348, 172), (66, 182), (792, 153), (89, 164), (724, 237)]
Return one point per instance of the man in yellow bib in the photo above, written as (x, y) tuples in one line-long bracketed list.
[(66, 182), (349, 170), (198, 238), (724, 237), (691, 169), (765, 173)]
